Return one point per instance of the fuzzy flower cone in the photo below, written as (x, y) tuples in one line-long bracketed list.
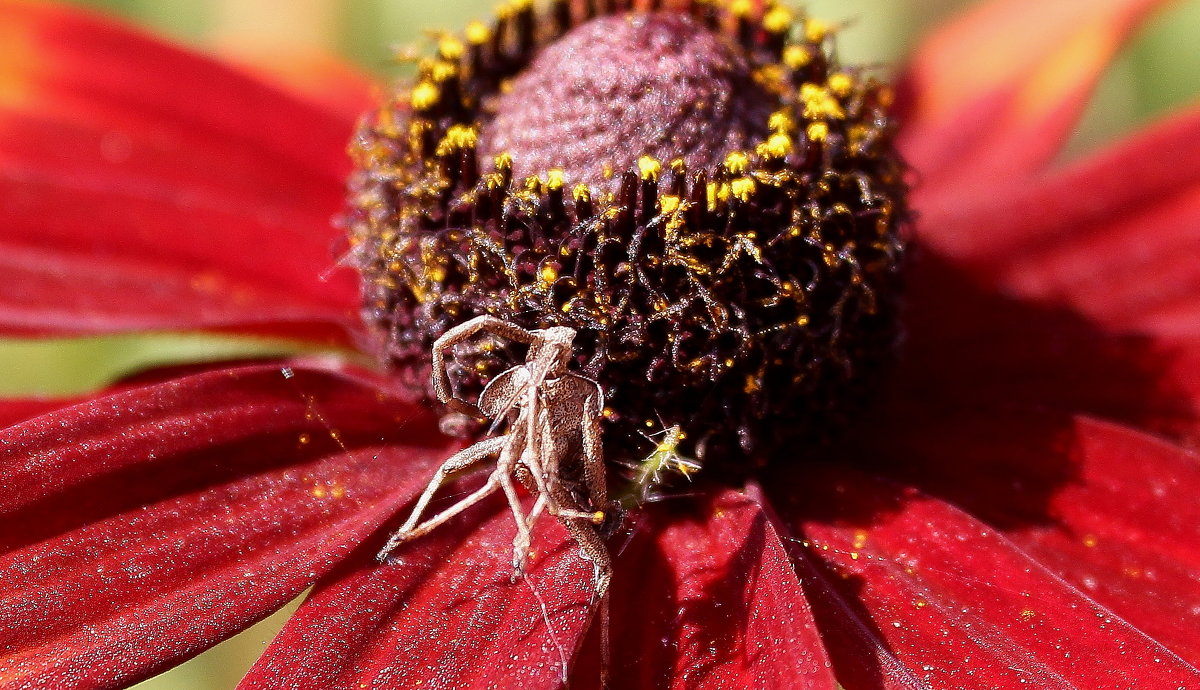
[(943, 394)]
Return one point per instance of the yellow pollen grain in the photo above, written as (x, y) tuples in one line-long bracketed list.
[(860, 539), (781, 121), (796, 56), (1028, 614), (478, 33), (743, 188), (555, 179), (425, 95), (319, 492), (549, 274), (450, 48), (776, 146), (737, 163), (815, 30), (778, 20), (649, 168), (669, 204), (841, 84), (817, 131), (458, 138), (441, 71), (1090, 541), (819, 103), (304, 439)]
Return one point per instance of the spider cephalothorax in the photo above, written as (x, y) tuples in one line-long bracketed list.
[(710, 204)]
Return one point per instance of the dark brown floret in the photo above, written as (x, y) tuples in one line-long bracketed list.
[(734, 275)]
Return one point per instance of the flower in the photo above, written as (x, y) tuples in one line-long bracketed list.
[(1018, 509)]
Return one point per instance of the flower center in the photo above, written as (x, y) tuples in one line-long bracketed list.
[(621, 87), (712, 208)]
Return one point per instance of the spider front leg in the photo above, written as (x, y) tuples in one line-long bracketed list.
[(457, 462), (460, 334)]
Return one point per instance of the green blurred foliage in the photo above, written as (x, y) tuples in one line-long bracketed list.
[(1160, 71)]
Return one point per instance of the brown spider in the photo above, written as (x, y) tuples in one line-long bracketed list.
[(553, 418)]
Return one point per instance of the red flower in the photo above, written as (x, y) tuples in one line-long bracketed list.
[(1022, 511)]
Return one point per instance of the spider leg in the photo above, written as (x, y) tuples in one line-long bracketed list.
[(505, 469), (521, 542), (460, 334), (457, 462)]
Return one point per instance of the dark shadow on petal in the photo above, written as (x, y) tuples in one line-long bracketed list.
[(979, 410)]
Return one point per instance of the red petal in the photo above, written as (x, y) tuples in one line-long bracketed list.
[(146, 187), (1111, 510), (445, 615), (1128, 532), (706, 598), (143, 527), (994, 92), (911, 592), (709, 600)]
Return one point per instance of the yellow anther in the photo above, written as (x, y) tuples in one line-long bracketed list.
[(450, 48), (598, 517), (781, 121), (841, 84), (478, 33), (796, 56), (581, 193), (776, 146), (817, 131), (741, 8), (737, 163), (548, 274), (819, 103), (778, 20), (425, 95), (555, 178), (743, 188), (458, 138), (669, 204), (504, 162), (816, 30), (442, 71), (649, 168)]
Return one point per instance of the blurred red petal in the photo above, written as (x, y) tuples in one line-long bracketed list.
[(146, 187), (1111, 510), (316, 78), (911, 592), (705, 597), (16, 410), (995, 91), (445, 614), (1113, 237), (142, 527)]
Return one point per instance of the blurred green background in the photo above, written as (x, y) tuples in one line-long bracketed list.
[(1160, 71)]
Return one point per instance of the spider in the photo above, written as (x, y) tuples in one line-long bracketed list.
[(553, 435)]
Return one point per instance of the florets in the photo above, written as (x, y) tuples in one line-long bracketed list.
[(713, 206)]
